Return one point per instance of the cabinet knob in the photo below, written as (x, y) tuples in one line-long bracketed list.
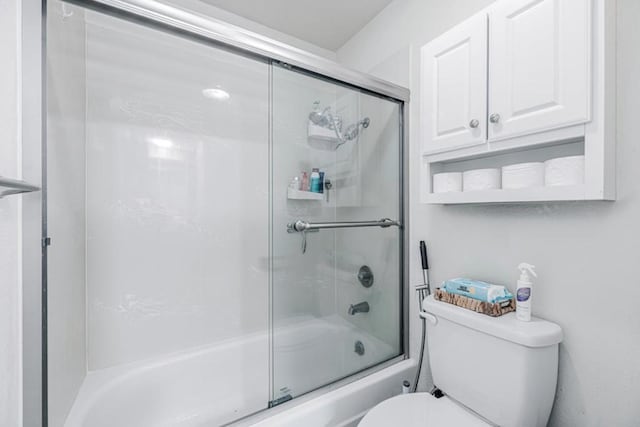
[(474, 123), (494, 118)]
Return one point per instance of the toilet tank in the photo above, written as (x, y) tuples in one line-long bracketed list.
[(501, 368)]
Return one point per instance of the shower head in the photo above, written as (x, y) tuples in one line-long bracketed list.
[(327, 120)]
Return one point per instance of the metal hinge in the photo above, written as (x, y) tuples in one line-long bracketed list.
[(46, 242)]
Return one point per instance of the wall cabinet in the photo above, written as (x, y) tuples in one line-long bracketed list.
[(455, 87), (513, 79), (539, 66)]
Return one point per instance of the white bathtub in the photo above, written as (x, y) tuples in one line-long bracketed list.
[(214, 385)]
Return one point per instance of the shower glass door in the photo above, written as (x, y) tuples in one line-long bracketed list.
[(158, 211), (336, 292), (176, 294)]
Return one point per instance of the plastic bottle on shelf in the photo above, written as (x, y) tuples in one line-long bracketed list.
[(315, 180), (321, 182), (295, 183), (523, 292), (304, 182)]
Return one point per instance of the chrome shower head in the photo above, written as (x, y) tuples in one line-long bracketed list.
[(327, 120), (324, 118)]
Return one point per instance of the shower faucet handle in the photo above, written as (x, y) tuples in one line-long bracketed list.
[(327, 186)]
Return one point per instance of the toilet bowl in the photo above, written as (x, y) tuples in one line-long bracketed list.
[(492, 371), (420, 410)]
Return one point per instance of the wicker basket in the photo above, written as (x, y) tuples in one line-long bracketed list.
[(488, 308)]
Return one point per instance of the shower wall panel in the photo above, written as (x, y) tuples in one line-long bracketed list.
[(177, 196), (305, 285), (375, 162)]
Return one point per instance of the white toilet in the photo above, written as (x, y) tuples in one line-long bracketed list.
[(493, 371)]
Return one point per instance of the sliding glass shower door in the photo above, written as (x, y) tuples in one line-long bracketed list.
[(186, 281), (158, 211), (336, 292)]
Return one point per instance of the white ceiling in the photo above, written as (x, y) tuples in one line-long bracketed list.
[(325, 23)]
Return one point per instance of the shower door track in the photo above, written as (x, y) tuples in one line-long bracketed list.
[(236, 38)]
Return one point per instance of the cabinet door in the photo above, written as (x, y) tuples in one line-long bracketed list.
[(454, 87), (539, 65)]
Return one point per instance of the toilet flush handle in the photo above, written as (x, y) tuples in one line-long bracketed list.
[(430, 317)]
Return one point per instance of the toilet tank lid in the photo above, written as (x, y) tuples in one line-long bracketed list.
[(536, 333)]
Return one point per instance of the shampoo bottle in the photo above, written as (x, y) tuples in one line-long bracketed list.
[(523, 292), (314, 184)]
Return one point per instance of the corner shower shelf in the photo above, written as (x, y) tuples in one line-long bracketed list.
[(10, 186), (303, 195)]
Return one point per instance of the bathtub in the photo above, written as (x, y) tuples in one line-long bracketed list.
[(216, 385)]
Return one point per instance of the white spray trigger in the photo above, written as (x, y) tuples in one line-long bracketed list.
[(525, 269)]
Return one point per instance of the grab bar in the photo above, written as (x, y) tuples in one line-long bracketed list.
[(300, 226)]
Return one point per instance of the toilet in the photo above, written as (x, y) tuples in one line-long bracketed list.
[(492, 371)]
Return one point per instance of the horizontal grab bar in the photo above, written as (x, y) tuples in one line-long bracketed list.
[(300, 226)]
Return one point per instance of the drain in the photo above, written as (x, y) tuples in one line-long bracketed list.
[(359, 348)]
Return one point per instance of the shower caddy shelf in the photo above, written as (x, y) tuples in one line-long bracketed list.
[(10, 186), (303, 195)]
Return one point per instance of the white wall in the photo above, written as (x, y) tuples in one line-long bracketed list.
[(10, 222), (586, 253)]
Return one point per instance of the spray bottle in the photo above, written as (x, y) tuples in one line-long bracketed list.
[(523, 292)]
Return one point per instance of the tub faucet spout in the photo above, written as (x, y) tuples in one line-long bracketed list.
[(361, 307)]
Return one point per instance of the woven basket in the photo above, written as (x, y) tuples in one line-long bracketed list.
[(488, 308)]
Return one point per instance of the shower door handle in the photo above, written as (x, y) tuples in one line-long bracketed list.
[(300, 226), (305, 227)]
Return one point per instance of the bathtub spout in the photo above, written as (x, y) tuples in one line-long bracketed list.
[(361, 307)]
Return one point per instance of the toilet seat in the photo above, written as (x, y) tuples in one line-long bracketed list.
[(420, 410)]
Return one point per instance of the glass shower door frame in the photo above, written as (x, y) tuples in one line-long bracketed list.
[(178, 21), (300, 227)]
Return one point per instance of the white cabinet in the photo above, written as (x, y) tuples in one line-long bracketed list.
[(539, 66), (454, 87), (539, 78), (538, 57)]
